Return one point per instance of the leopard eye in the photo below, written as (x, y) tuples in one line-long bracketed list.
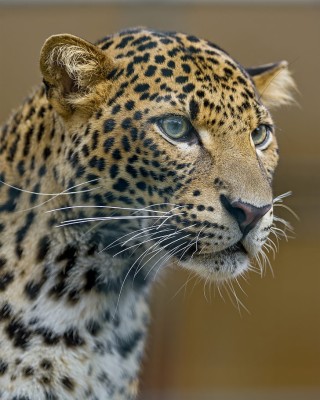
[(262, 136), (177, 128)]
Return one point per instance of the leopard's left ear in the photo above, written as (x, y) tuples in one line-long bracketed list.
[(274, 83), (75, 74)]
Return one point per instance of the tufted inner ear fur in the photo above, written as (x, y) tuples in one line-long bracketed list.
[(274, 83), (75, 74)]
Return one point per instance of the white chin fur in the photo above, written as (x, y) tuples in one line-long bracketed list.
[(218, 268)]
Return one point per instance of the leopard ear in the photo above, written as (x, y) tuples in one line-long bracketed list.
[(274, 83), (75, 74)]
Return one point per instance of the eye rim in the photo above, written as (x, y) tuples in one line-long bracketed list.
[(263, 144), (189, 137)]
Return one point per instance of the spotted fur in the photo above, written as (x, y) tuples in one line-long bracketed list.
[(95, 199)]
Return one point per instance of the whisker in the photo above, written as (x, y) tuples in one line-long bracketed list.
[(158, 251), (65, 192), (115, 218), (146, 241), (184, 285), (170, 255), (136, 233), (288, 209), (105, 207), (282, 196), (54, 195)]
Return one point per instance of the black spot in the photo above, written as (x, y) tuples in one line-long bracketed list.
[(186, 68), (5, 280), (121, 185), (3, 367), (116, 155), (114, 171), (98, 163), (32, 289), (132, 171), (21, 167), (69, 253), (181, 79), (241, 80), (27, 142), (91, 277), (201, 207), (49, 337), (200, 93), (46, 152), (42, 171), (21, 233), (93, 327), (141, 87), (124, 42), (130, 105), (126, 345), (137, 115), (28, 371), (147, 46), (18, 333), (228, 71), (109, 125), (188, 88), (126, 123), (141, 185), (108, 143), (150, 71), (46, 364), (43, 248), (68, 383), (116, 109), (5, 311), (194, 109), (196, 193), (159, 59), (166, 72), (3, 262), (50, 396), (72, 338)]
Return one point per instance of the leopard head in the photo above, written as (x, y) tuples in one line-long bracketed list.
[(176, 133)]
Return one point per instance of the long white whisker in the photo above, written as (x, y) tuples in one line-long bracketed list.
[(65, 192), (148, 240), (105, 207), (120, 217), (157, 251)]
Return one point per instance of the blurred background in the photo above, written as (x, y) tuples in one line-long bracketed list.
[(200, 346)]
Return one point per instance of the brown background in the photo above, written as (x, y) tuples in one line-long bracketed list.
[(200, 346)]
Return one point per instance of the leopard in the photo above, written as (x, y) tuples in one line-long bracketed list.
[(143, 149)]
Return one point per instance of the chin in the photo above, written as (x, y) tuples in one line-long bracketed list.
[(219, 266)]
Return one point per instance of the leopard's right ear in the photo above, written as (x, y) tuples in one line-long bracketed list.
[(75, 74)]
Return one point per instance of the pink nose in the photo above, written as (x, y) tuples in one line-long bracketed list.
[(245, 214)]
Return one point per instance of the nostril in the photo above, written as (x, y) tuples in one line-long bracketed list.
[(246, 215)]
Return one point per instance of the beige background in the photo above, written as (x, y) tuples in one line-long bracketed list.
[(200, 346)]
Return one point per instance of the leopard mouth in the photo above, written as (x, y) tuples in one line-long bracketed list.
[(218, 266), (237, 247)]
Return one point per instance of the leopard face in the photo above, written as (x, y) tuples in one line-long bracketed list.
[(172, 129)]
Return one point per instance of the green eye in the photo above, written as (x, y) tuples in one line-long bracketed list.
[(177, 128), (261, 136)]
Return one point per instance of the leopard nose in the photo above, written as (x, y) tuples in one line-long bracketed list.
[(245, 214)]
